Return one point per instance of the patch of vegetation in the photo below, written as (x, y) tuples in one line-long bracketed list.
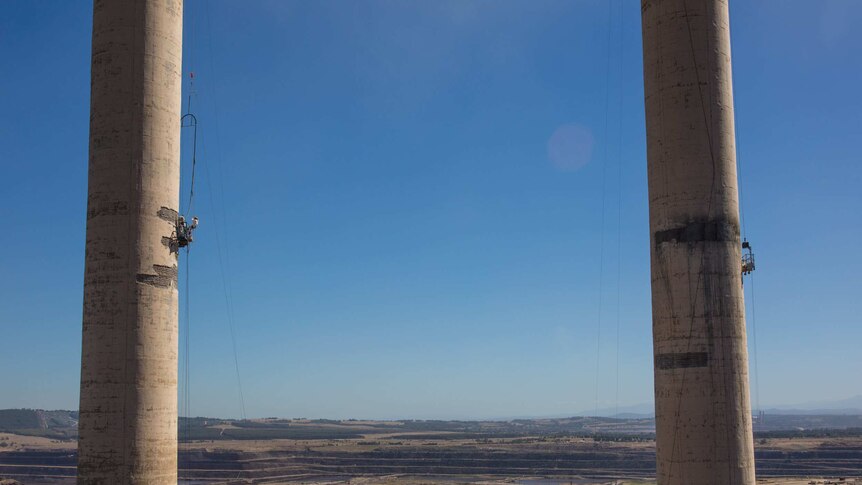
[(624, 438), (263, 433), (810, 433), (15, 419)]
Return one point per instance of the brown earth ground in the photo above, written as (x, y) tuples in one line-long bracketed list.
[(383, 459), (16, 442)]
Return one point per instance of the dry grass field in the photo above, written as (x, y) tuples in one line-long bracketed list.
[(526, 452)]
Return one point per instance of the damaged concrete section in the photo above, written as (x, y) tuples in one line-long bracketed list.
[(681, 360), (101, 204), (709, 231), (165, 277), (168, 214)]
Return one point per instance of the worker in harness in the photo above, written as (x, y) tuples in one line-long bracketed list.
[(184, 231)]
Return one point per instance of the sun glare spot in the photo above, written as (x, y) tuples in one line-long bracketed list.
[(570, 147)]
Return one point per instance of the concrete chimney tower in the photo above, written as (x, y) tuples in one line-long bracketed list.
[(703, 414), (128, 421)]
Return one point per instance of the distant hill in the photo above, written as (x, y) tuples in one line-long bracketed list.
[(634, 411), (637, 420), (38, 422), (848, 406), (14, 419)]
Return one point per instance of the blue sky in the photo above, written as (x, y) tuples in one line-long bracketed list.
[(398, 232)]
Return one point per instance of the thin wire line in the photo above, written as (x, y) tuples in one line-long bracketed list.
[(619, 209), (754, 345), (223, 263), (604, 193), (186, 430), (187, 360), (740, 183), (227, 294)]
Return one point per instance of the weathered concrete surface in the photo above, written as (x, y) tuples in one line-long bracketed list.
[(703, 417), (128, 423)]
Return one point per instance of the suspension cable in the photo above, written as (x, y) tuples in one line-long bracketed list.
[(224, 263), (740, 179), (754, 347), (189, 120), (602, 231), (186, 121), (619, 208)]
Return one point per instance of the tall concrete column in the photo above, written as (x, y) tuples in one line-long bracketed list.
[(703, 415), (128, 421)]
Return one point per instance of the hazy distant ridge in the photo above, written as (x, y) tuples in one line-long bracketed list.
[(850, 406)]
